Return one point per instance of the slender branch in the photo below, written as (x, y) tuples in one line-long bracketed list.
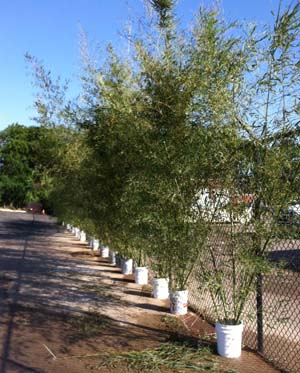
[(248, 129), (284, 134)]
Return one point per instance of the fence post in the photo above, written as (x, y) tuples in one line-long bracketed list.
[(259, 313)]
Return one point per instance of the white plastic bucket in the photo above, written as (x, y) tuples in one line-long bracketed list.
[(77, 233), (127, 266), (141, 275), (160, 288), (179, 302), (229, 340), (104, 252), (82, 236), (95, 244)]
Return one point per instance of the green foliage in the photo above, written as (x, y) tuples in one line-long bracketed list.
[(26, 155), (176, 356), (164, 11), (263, 165), (169, 147), (51, 103)]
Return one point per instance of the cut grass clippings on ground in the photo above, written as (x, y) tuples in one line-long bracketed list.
[(175, 356), (173, 323), (87, 326)]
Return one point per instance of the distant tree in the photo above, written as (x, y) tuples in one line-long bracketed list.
[(26, 154)]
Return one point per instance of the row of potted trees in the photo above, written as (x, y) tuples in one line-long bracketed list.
[(166, 285), (206, 112), (178, 299), (179, 147)]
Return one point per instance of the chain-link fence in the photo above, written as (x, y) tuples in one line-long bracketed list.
[(272, 318)]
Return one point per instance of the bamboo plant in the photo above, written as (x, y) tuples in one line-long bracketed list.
[(264, 168)]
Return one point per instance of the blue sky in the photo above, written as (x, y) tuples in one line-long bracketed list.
[(49, 30)]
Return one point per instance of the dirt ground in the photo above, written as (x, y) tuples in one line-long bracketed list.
[(63, 308)]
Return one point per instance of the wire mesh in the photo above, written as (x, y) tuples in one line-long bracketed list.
[(281, 301)]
